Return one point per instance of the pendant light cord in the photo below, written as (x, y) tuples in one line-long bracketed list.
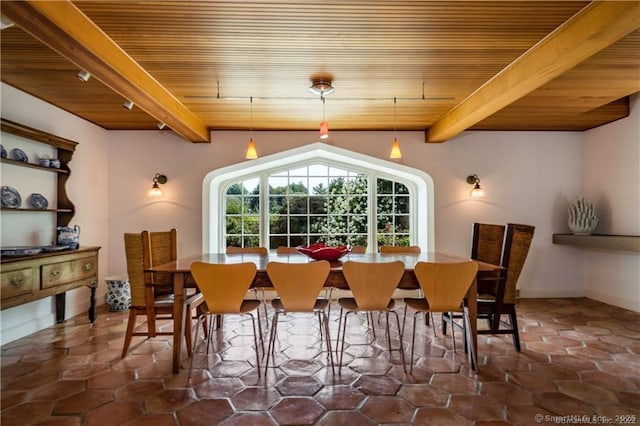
[(251, 117), (395, 119)]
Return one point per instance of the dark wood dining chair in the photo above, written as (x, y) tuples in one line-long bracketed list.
[(144, 299), (491, 307)]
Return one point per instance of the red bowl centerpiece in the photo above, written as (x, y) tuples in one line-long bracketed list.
[(320, 251)]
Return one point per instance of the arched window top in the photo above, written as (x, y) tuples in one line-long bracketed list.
[(216, 182)]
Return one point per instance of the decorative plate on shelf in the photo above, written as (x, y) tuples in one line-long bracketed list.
[(320, 251), (19, 155), (10, 197), (3, 152), (38, 201), (19, 250), (50, 249)]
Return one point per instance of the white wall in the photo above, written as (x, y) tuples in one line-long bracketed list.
[(611, 181), (87, 188), (529, 177)]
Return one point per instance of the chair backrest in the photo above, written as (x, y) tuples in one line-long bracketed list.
[(487, 242), (223, 286), (516, 249), (133, 249), (445, 285), (247, 250), (159, 247), (358, 249), (372, 284), (298, 284), (399, 249), (286, 250)]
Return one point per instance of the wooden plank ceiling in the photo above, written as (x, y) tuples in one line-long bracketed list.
[(451, 65)]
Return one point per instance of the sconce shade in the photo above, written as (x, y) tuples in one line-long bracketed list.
[(477, 191), (128, 104), (251, 151), (395, 149), (155, 191), (324, 130)]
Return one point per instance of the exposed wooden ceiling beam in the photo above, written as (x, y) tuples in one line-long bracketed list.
[(68, 31), (596, 26)]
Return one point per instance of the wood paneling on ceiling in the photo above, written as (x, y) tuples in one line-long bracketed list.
[(209, 58)]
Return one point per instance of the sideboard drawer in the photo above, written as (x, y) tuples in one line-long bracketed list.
[(17, 282), (68, 271)]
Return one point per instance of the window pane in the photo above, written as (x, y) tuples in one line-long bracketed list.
[(251, 225), (333, 171), (402, 204), (385, 204), (233, 225), (318, 224), (234, 205), (385, 224), (252, 205), (402, 224), (233, 241), (401, 188), (298, 205), (385, 186), (278, 224), (319, 185), (298, 187), (318, 205), (358, 224), (298, 225), (298, 240), (318, 170), (277, 204), (278, 185), (252, 241), (302, 171)]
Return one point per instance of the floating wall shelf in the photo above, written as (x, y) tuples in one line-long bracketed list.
[(600, 241)]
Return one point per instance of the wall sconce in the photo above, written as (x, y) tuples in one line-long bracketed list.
[(161, 126), (83, 75), (477, 191), (128, 104), (155, 191)]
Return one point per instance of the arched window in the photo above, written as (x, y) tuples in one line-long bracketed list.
[(317, 193)]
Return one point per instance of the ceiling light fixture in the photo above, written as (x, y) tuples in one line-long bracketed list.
[(83, 75), (321, 87), (156, 191), (128, 104), (161, 126), (477, 191), (5, 22), (251, 154), (395, 146), (324, 126)]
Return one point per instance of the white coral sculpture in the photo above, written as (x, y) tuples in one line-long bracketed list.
[(583, 217)]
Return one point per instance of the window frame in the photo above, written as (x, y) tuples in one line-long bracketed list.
[(215, 183)]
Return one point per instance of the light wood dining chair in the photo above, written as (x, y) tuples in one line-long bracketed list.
[(144, 299), (298, 286), (444, 286), (372, 285), (224, 288)]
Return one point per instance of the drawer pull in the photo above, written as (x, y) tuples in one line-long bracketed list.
[(88, 266), (55, 272), (16, 281)]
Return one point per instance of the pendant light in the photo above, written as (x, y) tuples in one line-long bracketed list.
[(324, 126), (395, 146), (251, 154)]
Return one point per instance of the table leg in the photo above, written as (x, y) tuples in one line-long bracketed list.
[(472, 301), (178, 319), (60, 307), (92, 306)]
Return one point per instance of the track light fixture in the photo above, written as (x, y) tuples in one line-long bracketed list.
[(161, 126), (5, 22), (477, 191), (83, 75), (128, 104)]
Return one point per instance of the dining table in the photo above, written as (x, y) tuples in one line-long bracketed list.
[(180, 269)]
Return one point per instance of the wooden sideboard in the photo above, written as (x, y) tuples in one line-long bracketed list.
[(29, 278)]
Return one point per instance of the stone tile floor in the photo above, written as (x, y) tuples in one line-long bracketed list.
[(579, 358)]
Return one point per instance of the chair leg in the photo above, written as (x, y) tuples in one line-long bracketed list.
[(472, 348), (453, 333), (445, 319), (413, 342), (270, 347), (325, 322), (344, 331), (131, 324), (404, 363), (389, 333), (202, 317), (516, 334), (255, 338), (260, 329), (338, 336), (404, 319)]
